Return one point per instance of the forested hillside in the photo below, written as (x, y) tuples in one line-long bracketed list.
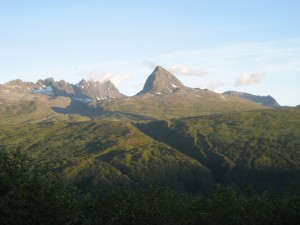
[(257, 148)]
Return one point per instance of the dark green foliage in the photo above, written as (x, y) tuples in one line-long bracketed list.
[(36, 196), (33, 195)]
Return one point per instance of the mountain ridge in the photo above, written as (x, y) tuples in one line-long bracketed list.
[(88, 90), (263, 100), (159, 82)]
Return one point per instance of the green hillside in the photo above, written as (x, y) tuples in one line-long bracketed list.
[(108, 154), (258, 148), (35, 195)]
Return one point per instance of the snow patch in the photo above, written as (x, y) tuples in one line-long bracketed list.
[(174, 86), (46, 91), (84, 100), (158, 93)]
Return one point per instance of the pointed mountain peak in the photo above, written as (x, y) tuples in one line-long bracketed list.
[(160, 68), (161, 80)]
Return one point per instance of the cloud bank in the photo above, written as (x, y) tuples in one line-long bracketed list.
[(187, 71), (249, 79)]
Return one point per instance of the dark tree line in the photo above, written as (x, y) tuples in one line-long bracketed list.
[(30, 195)]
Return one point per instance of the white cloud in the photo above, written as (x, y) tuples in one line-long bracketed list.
[(186, 71), (95, 75), (249, 79), (116, 79)]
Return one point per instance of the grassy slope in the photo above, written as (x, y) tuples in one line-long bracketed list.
[(25, 108), (257, 148), (179, 104), (107, 153)]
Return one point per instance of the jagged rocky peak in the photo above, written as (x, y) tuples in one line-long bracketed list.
[(84, 90), (96, 90), (161, 80), (59, 88), (263, 100), (20, 86)]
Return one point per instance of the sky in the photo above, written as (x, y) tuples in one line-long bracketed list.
[(249, 46)]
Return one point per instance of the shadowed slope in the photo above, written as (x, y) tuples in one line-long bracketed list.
[(259, 148)]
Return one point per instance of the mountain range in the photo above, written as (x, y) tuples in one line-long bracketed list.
[(159, 82), (167, 135), (88, 90)]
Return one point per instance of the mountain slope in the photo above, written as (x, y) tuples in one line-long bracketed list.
[(108, 154), (263, 100), (258, 148)]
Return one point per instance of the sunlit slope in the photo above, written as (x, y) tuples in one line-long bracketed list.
[(107, 153), (178, 103), (258, 148), (18, 108)]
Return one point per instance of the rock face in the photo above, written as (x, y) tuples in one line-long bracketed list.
[(161, 81), (96, 90), (60, 88), (93, 90), (20, 86), (263, 100)]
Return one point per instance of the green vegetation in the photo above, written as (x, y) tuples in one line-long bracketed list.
[(257, 148), (31, 195), (108, 154), (260, 148)]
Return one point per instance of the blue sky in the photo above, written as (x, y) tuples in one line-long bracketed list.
[(251, 46)]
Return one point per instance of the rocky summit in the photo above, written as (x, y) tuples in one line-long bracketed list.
[(161, 81)]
